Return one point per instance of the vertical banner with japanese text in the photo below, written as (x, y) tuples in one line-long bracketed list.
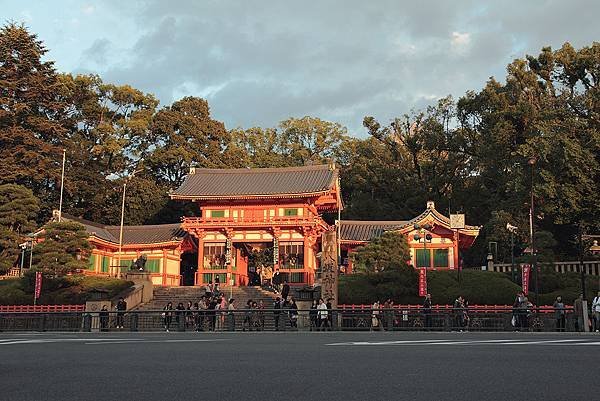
[(422, 282), (525, 278), (38, 284)]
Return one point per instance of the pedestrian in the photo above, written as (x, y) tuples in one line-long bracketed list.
[(458, 309), (196, 315), (167, 315), (285, 290), (578, 313), (322, 315), (293, 314), (121, 308), (329, 305), (231, 314), (208, 290), (596, 312), (212, 313), (276, 280), (189, 316), (202, 306), (104, 316), (180, 314), (375, 310), (313, 315), (427, 311), (247, 317), (277, 312), (559, 313), (261, 315), (217, 284)]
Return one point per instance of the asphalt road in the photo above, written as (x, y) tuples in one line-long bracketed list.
[(299, 366)]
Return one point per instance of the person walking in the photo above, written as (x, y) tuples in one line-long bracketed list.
[(217, 284), (322, 315), (285, 291), (375, 318), (427, 311), (596, 312), (202, 306), (261, 315), (293, 314), (167, 315), (277, 312), (231, 314), (312, 314), (559, 313), (247, 316), (121, 308), (104, 316), (578, 313)]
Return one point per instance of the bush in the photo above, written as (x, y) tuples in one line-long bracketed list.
[(60, 290)]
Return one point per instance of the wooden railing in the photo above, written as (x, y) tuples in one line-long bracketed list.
[(41, 308), (270, 220)]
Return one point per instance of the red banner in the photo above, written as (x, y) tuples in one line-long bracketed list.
[(525, 278), (38, 284), (422, 282)]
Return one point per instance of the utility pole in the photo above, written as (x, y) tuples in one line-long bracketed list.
[(532, 162), (62, 184)]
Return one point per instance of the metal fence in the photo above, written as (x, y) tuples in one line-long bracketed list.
[(288, 320)]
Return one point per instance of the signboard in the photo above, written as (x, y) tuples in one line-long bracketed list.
[(422, 282), (275, 251), (525, 278), (228, 245), (38, 284), (457, 221)]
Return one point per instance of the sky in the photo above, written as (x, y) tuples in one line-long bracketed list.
[(261, 62)]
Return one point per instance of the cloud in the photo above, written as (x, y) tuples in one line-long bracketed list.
[(260, 62)]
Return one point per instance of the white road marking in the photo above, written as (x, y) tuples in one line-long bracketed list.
[(469, 342), (158, 341)]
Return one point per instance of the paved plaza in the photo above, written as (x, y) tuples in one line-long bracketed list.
[(299, 366)]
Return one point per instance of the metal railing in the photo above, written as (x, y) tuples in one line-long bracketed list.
[(289, 320)]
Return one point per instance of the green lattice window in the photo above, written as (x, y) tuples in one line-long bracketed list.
[(423, 258), (153, 265), (290, 212), (440, 257), (217, 213), (105, 264), (92, 263)]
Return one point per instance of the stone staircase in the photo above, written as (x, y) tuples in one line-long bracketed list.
[(162, 295)]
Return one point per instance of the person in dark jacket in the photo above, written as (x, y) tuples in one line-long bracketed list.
[(559, 314), (168, 315), (293, 314), (104, 316), (427, 311), (121, 308), (285, 290), (277, 312), (313, 315)]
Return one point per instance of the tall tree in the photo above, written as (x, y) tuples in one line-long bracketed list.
[(385, 252), (184, 135), (310, 140), (18, 211), (30, 115), (65, 249)]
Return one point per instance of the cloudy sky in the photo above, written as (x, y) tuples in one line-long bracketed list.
[(259, 62)]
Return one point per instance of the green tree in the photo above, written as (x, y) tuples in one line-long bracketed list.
[(310, 140), (64, 248), (108, 134), (18, 211), (30, 115), (390, 250), (185, 135)]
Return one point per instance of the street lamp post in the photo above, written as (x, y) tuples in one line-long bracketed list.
[(512, 230), (122, 219), (532, 162)]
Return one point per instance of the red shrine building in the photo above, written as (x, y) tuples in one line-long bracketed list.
[(441, 252), (268, 218)]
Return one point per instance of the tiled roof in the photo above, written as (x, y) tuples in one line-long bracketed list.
[(362, 231), (150, 234), (256, 183), (132, 234)]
